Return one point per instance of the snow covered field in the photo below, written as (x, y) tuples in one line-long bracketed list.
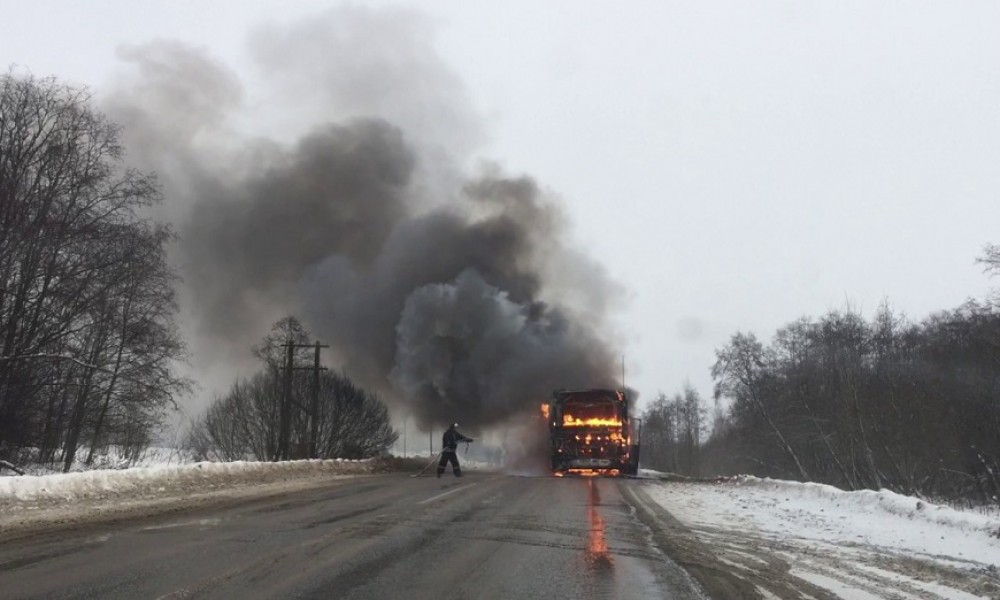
[(856, 545)]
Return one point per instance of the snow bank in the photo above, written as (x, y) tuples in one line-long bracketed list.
[(862, 544), (870, 502), (166, 478)]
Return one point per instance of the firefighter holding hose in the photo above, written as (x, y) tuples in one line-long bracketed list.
[(449, 449)]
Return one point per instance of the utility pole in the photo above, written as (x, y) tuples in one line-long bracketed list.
[(431, 438), (285, 410), (314, 417)]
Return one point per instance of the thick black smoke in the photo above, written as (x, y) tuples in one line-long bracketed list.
[(456, 296)]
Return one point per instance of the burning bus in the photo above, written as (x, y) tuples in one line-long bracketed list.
[(590, 433)]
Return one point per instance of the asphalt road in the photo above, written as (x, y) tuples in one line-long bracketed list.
[(392, 536)]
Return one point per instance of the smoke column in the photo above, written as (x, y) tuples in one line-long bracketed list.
[(329, 186)]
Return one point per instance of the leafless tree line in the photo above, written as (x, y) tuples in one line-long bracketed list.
[(886, 403), (671, 434), (244, 424), (87, 337)]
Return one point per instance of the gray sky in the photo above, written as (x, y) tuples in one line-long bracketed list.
[(733, 165)]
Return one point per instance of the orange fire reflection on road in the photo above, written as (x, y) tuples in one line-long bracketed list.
[(597, 544)]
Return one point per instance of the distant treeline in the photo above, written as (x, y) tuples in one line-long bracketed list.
[(886, 403), (87, 336)]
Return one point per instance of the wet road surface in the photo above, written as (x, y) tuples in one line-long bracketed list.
[(392, 536)]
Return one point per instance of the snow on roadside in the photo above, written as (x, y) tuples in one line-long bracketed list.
[(75, 497), (112, 457), (882, 501), (84, 484), (854, 544)]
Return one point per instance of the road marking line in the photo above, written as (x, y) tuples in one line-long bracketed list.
[(458, 489)]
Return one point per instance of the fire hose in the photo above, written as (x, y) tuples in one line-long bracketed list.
[(433, 460), (438, 458)]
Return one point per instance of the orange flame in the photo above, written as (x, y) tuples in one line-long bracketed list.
[(571, 421), (545, 411), (593, 472)]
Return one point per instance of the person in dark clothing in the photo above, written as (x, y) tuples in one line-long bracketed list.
[(449, 449)]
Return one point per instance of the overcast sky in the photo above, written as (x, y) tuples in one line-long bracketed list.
[(733, 165)]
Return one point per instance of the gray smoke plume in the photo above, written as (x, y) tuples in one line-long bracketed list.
[(455, 296)]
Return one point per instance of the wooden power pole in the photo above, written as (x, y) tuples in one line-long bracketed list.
[(314, 416), (285, 409)]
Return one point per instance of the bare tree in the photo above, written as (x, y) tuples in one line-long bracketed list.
[(246, 422), (659, 435), (81, 271), (741, 373), (671, 432), (991, 258), (691, 419)]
